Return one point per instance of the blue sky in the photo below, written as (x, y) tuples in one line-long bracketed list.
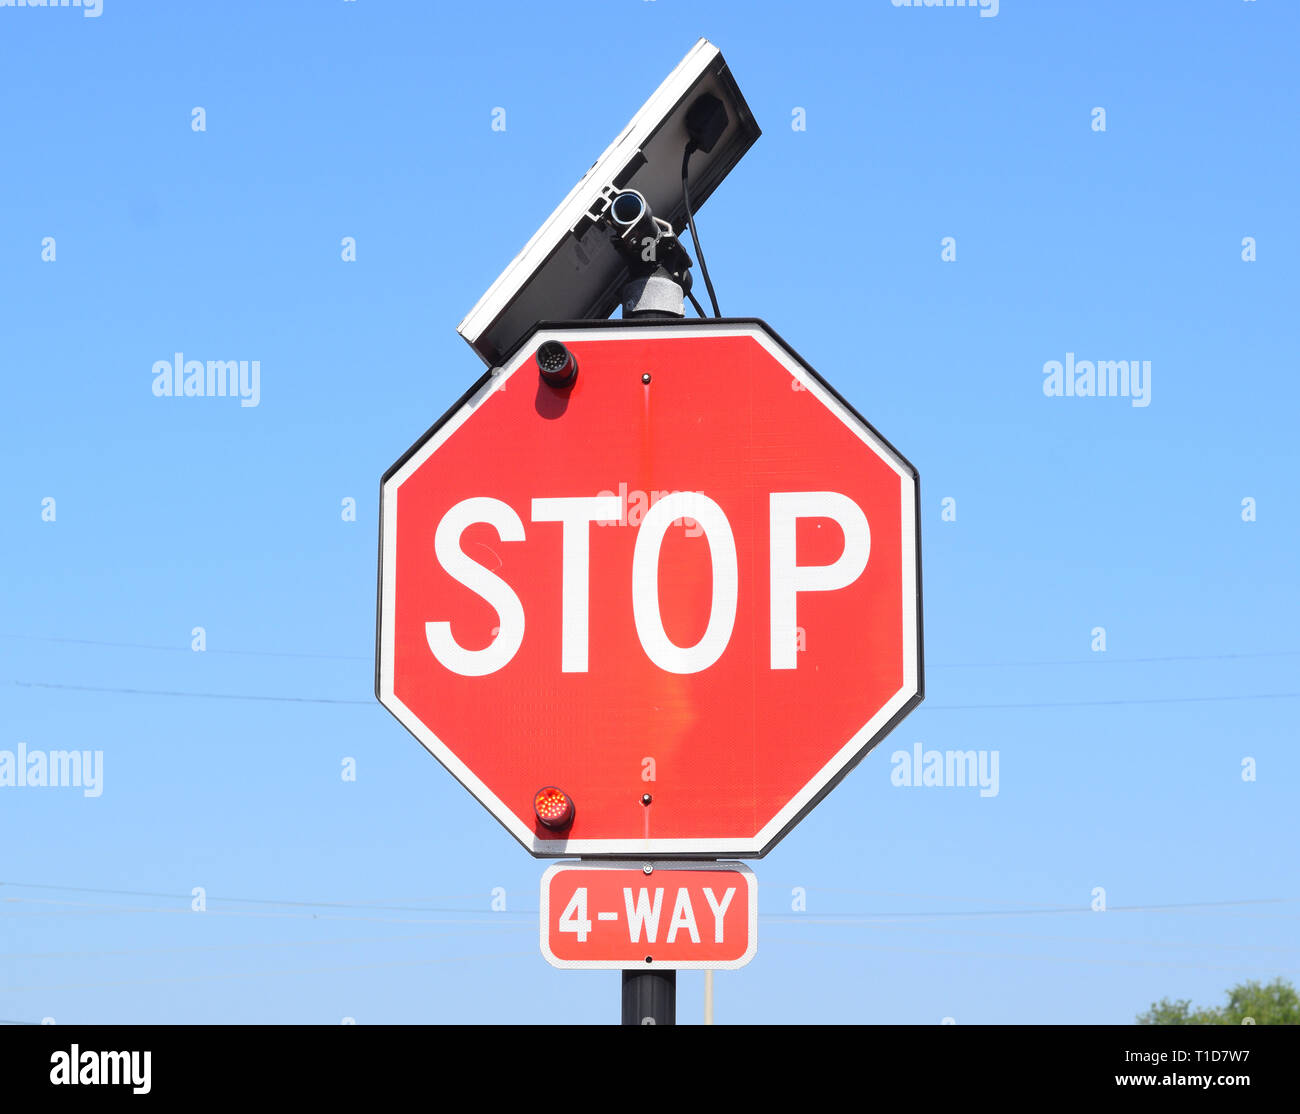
[(372, 899)]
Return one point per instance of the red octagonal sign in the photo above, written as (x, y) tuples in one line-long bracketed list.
[(682, 588)]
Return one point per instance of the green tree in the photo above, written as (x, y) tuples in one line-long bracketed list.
[(1275, 1003)]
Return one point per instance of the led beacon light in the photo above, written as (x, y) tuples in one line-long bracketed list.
[(554, 807)]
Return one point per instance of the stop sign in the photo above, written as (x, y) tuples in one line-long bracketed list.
[(683, 588)]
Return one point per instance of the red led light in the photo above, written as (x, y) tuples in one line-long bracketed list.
[(553, 807)]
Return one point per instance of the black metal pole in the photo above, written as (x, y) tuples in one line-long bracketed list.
[(649, 997)]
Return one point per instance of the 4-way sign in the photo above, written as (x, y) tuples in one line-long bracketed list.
[(650, 590), (667, 915)]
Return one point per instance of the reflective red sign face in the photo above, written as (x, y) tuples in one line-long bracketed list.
[(684, 590), (675, 915)]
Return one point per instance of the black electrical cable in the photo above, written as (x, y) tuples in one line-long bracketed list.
[(696, 303), (695, 239)]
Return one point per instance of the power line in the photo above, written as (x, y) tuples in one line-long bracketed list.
[(925, 707), (1113, 703), (186, 649), (190, 695), (322, 941), (1094, 659), (983, 899), (495, 956), (844, 944), (827, 918), (89, 909), (259, 900), (1175, 945), (1107, 659), (869, 918)]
